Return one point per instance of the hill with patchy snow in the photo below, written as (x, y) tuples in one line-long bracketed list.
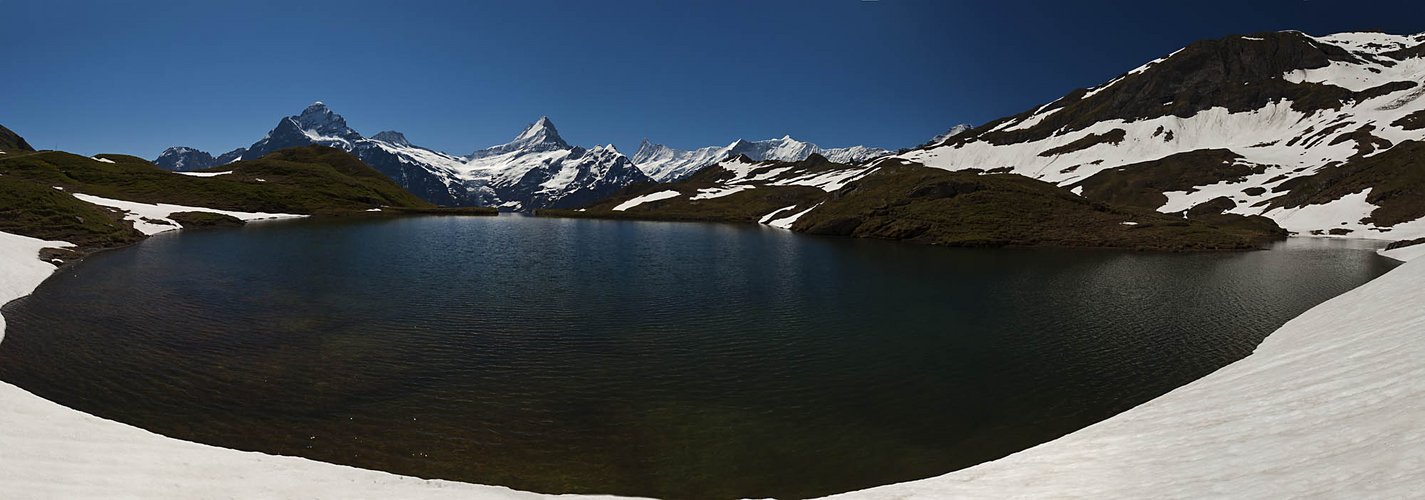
[(1321, 134), (901, 200)]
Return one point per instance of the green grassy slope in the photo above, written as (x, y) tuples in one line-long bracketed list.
[(305, 180), (36, 200), (39, 211)]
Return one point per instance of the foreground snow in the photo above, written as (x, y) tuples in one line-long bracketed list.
[(21, 269), (49, 451), (1331, 405)]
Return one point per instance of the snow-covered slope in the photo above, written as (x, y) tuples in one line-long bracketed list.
[(666, 164), (536, 170), (1310, 124), (1331, 405)]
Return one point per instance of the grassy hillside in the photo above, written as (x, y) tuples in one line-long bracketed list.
[(36, 200), (305, 180), (907, 201), (938, 207), (39, 211)]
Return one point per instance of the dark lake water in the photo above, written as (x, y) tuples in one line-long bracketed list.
[(659, 359)]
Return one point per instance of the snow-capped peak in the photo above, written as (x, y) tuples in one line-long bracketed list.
[(323, 121), (540, 132), (538, 136)]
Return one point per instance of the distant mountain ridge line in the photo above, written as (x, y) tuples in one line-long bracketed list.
[(537, 169)]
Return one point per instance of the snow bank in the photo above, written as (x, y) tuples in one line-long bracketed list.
[(786, 222), (718, 192), (153, 218), (1409, 253), (49, 451), (21, 269), (204, 174), (1331, 405), (661, 195)]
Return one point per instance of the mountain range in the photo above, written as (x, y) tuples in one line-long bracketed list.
[(1320, 135), (665, 164), (537, 169)]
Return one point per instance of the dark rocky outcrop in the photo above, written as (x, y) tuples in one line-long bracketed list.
[(10, 141)]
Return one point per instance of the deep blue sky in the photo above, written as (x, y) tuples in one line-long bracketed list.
[(136, 77)]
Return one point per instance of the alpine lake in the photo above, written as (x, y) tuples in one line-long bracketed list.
[(674, 360)]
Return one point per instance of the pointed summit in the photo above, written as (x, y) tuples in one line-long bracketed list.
[(319, 118), (317, 124), (541, 132)]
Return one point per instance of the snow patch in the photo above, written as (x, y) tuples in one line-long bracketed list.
[(661, 195), (718, 192), (768, 218), (153, 218), (786, 222)]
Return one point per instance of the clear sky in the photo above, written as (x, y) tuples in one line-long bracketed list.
[(135, 77)]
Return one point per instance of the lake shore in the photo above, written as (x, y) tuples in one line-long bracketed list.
[(1220, 434)]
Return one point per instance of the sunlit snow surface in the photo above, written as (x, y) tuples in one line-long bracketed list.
[(661, 195), (152, 218)]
